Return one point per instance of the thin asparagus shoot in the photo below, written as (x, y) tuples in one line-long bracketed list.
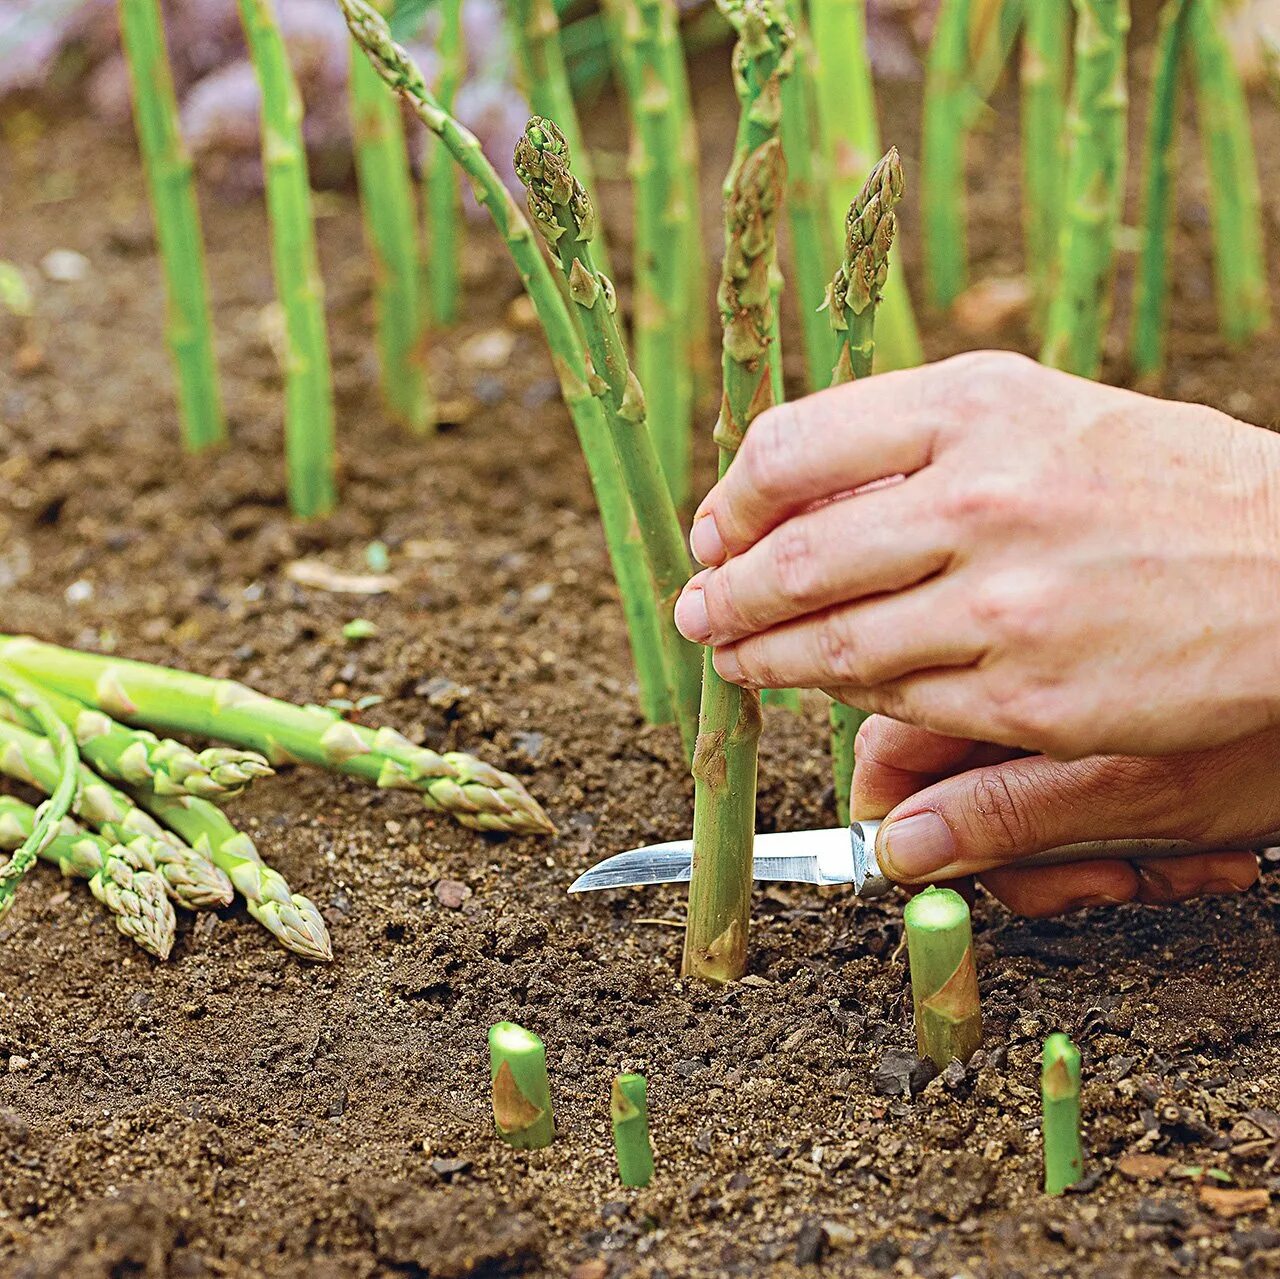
[(853, 299), (1060, 1098), (134, 897), (629, 1111), (944, 981), (521, 1090), (621, 530), (443, 210), (391, 230), (308, 412), (189, 327)]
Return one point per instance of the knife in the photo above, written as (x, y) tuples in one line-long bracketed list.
[(840, 856)]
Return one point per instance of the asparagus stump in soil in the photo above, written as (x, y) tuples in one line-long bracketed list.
[(852, 300), (1060, 1096), (629, 1111), (944, 981), (521, 1091)]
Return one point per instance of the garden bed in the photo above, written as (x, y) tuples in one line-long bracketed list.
[(238, 1112)]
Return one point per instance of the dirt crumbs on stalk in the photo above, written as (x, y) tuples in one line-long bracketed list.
[(236, 1112)]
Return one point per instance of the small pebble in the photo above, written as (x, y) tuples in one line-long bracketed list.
[(17, 1063), (811, 1244), (64, 266), (451, 894)]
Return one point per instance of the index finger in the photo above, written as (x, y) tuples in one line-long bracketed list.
[(799, 453)]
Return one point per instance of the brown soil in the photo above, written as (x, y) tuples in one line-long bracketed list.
[(236, 1112)]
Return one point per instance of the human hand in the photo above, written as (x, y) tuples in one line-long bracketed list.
[(956, 807), (1066, 567)]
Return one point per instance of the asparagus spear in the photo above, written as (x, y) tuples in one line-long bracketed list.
[(134, 896), (173, 200), (473, 792), (1060, 1096), (443, 221), (944, 982), (1094, 189), (188, 877), (135, 755), (308, 413), (629, 1111), (622, 532), (521, 1090), (291, 918), (853, 298), (390, 221), (724, 764), (562, 211)]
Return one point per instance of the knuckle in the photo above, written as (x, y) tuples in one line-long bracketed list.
[(795, 563), (724, 605), (771, 450), (838, 651), (1032, 716), (1000, 806), (990, 498), (1015, 607)]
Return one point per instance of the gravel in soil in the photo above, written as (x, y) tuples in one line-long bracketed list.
[(235, 1112)]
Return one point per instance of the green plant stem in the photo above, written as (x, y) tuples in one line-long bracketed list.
[(1045, 64), (390, 224), (850, 139), (134, 897), (629, 1111), (724, 764), (622, 531), (1094, 192), (521, 1090), (444, 222), (1060, 1097), (944, 982), (189, 326), (563, 213), (471, 791), (1151, 288), (1235, 197), (308, 413)]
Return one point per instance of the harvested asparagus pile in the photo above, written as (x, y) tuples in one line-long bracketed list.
[(139, 816)]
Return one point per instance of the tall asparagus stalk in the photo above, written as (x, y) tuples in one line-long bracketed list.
[(1060, 1096), (562, 211), (390, 222), (1094, 191), (473, 792), (944, 981), (1235, 196), (853, 298), (622, 532), (308, 412), (173, 201), (724, 764), (443, 221)]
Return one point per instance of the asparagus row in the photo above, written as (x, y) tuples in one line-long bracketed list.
[(472, 791), (443, 220), (622, 532), (724, 765), (308, 409), (173, 200), (852, 299), (563, 212), (134, 896)]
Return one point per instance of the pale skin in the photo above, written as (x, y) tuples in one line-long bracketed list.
[(1062, 599)]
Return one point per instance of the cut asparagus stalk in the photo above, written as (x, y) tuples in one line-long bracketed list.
[(944, 981), (473, 792), (629, 1111), (563, 212), (1060, 1096), (169, 180), (622, 532), (134, 896), (724, 764), (444, 223), (189, 878), (521, 1090), (290, 917)]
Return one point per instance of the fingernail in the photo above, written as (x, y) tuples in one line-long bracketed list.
[(1097, 899), (691, 615), (705, 540), (725, 660), (913, 847)]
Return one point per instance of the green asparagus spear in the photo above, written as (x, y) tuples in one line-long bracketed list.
[(444, 223), (724, 764), (944, 981), (1094, 189), (474, 793), (1060, 1095), (290, 917), (308, 414), (173, 200), (629, 1111), (391, 229), (135, 897), (621, 530), (563, 213), (521, 1090)]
